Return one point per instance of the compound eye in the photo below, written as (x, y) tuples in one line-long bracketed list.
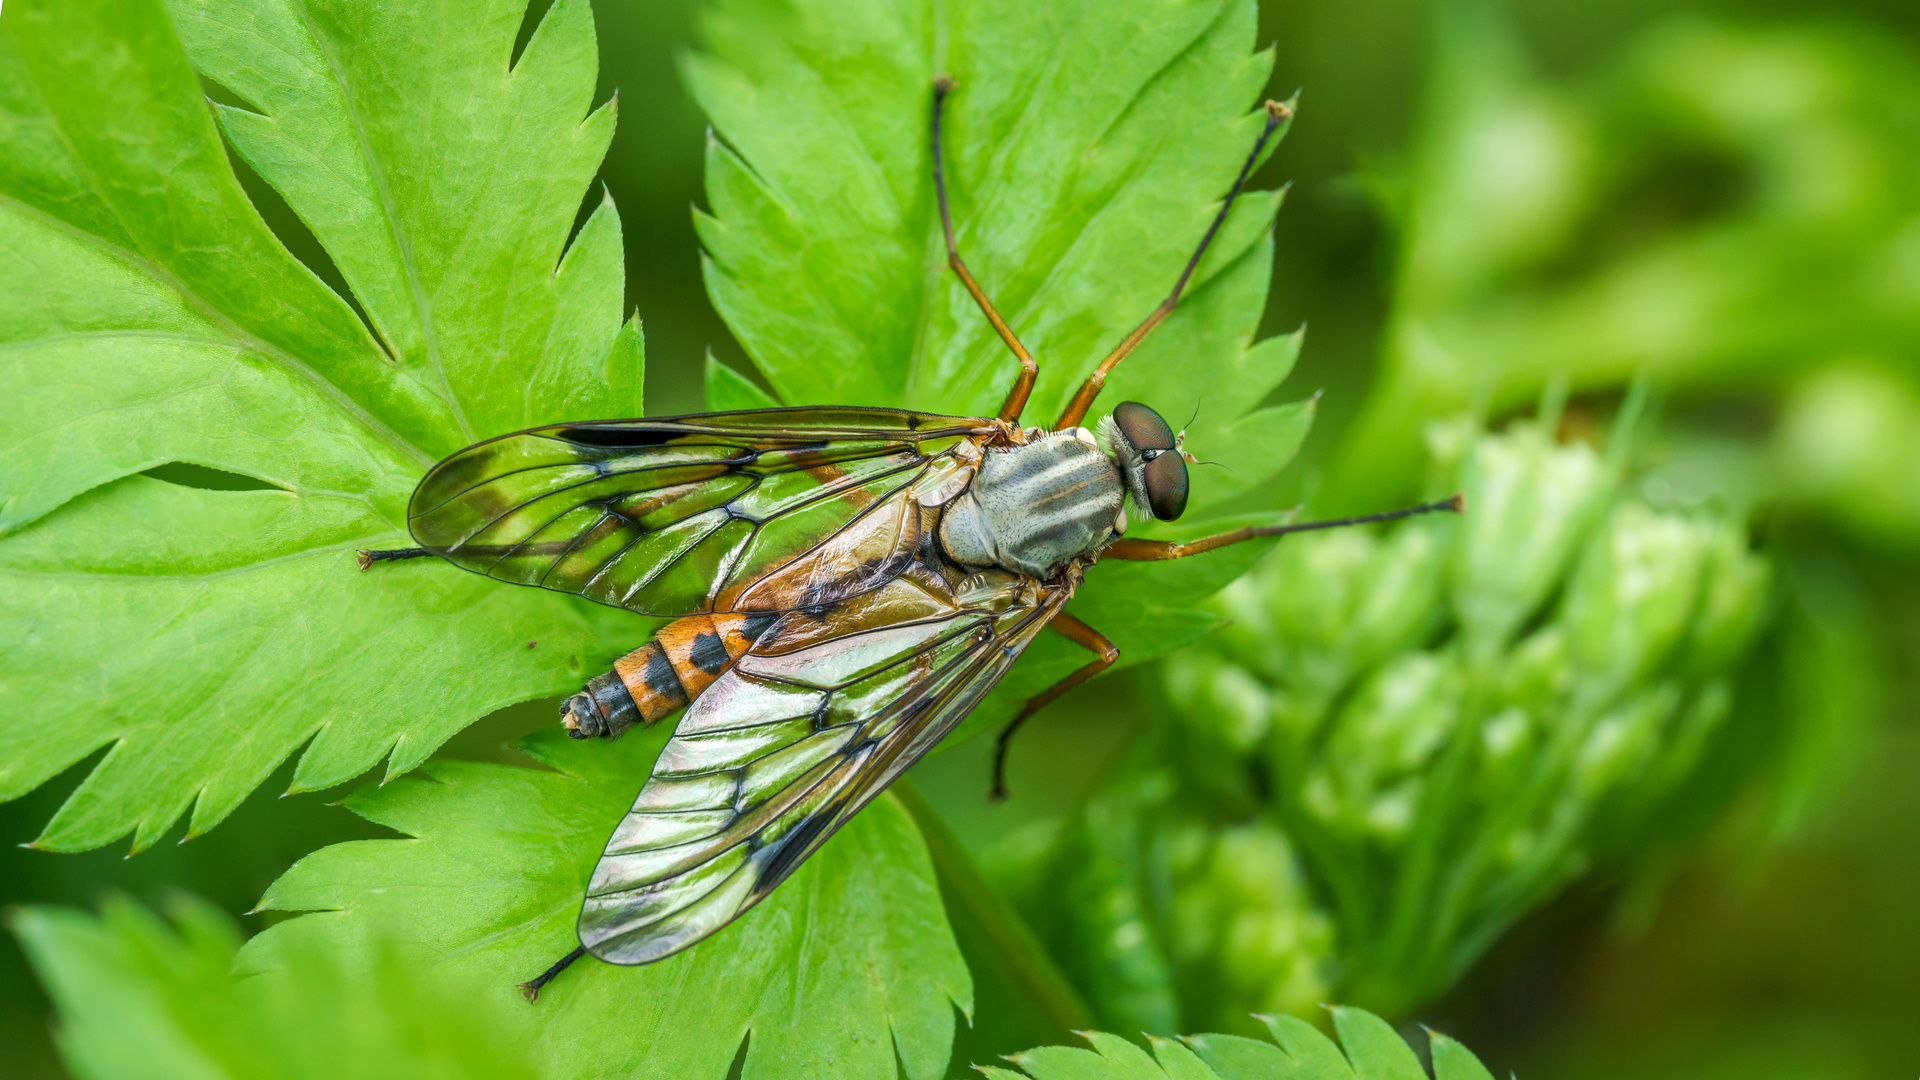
[(1144, 429), (1167, 486)]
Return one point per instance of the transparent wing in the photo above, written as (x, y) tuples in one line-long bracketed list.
[(686, 514), (783, 749)]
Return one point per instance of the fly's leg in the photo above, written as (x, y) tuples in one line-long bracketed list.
[(370, 556), (1151, 550), (1023, 386), (1105, 653), (1277, 113), (531, 988)]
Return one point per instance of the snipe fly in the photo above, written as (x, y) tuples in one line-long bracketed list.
[(845, 584)]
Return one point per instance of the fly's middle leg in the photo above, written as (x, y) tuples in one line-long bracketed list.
[(1105, 654), (660, 677)]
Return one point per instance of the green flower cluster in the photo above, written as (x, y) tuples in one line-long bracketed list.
[(1455, 719), (1441, 726), (1164, 912)]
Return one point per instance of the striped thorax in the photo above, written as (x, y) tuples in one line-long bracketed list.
[(1031, 508)]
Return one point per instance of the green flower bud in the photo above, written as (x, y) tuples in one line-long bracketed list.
[(1530, 502), (1399, 598), (1371, 770), (1223, 703), (1247, 933), (1315, 588), (1248, 636), (1633, 596), (1327, 606), (1733, 599), (1446, 750), (1535, 674), (1621, 743)]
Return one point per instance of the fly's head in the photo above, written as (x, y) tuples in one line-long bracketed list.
[(1151, 459)]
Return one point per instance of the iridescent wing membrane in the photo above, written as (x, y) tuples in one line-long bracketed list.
[(825, 710), (746, 511)]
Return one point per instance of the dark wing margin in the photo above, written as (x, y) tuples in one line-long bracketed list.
[(807, 727), (682, 514)]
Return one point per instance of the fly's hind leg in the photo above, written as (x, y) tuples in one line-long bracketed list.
[(1105, 653), (531, 988), (1029, 370), (368, 556)]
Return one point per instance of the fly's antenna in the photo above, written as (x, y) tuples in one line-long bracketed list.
[(1180, 441)]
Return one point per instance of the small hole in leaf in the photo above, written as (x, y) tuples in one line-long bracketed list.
[(187, 474), (221, 94), (596, 193), (530, 22), (299, 240), (739, 1066)]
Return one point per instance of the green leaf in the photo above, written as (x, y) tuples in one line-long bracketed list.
[(141, 1000), (149, 316), (1452, 1061), (1373, 1048), (728, 390), (1022, 997), (1081, 179), (1373, 1052), (442, 182), (1080, 183), (846, 963)]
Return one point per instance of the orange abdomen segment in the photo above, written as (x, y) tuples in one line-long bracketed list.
[(684, 658)]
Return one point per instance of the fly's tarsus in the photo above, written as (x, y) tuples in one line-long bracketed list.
[(368, 556), (531, 988), (1278, 112)]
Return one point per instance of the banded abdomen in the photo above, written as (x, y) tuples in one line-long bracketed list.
[(683, 658)]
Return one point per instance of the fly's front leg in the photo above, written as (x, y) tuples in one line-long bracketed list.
[(1277, 113), (1153, 550), (1105, 653), (1029, 370)]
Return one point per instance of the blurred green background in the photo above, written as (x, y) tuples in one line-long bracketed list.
[(1490, 203)]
